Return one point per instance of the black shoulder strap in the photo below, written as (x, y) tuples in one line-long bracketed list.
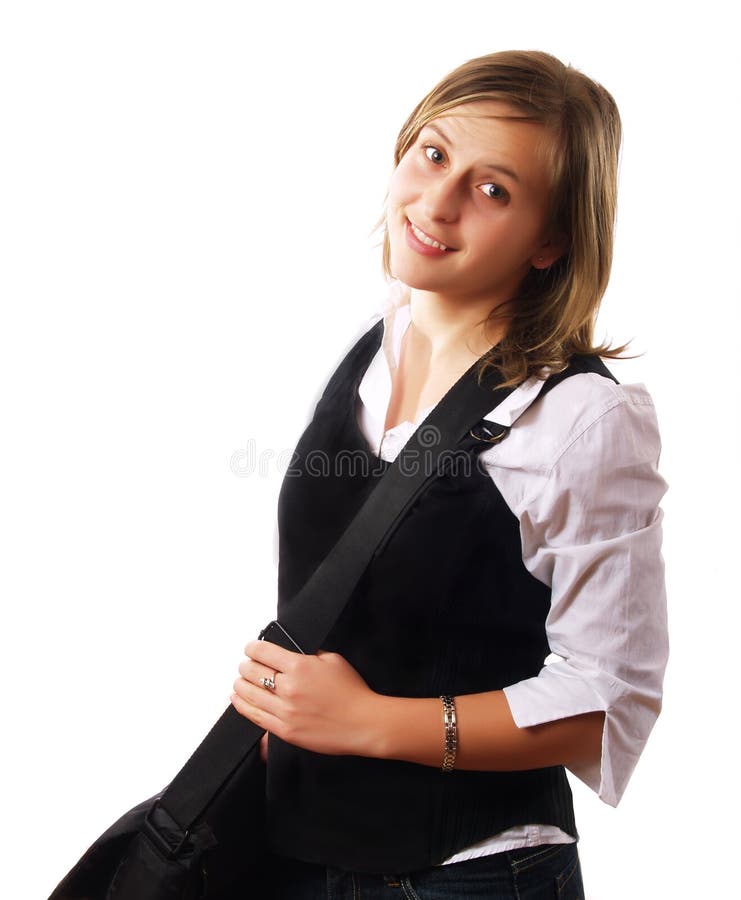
[(578, 365), (319, 603)]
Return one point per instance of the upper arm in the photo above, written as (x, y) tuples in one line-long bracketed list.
[(591, 530)]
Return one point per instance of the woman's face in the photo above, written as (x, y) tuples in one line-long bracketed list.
[(477, 184)]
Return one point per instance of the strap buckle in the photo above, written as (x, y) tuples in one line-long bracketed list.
[(162, 843), (279, 636), (482, 432)]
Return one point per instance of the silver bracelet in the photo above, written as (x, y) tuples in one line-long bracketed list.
[(451, 733)]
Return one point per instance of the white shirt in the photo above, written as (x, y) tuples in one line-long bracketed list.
[(579, 471)]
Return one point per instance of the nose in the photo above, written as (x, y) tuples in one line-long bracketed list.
[(442, 199)]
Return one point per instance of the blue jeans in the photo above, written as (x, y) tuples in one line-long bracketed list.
[(546, 872)]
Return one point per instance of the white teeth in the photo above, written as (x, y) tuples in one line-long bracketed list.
[(421, 236)]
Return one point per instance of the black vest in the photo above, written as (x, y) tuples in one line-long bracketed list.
[(446, 607)]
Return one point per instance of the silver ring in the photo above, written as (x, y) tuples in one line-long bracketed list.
[(269, 683)]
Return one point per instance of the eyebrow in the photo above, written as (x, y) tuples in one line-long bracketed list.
[(497, 168)]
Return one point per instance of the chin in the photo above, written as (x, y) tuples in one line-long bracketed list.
[(420, 281), (415, 280), (416, 274)]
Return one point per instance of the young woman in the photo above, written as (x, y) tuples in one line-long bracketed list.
[(498, 233)]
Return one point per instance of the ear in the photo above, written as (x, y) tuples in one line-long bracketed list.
[(548, 252)]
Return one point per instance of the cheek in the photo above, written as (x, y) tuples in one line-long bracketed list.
[(394, 193), (402, 184), (501, 243)]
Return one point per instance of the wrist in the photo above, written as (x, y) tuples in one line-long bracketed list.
[(378, 727), (409, 729)]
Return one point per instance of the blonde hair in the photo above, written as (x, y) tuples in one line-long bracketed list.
[(553, 314)]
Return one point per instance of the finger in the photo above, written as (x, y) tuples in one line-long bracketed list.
[(271, 655), (260, 717), (258, 696), (253, 671)]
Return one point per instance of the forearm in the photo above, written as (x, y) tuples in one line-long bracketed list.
[(411, 729), (322, 704)]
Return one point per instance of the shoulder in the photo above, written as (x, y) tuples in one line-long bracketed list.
[(592, 410), (586, 426), (550, 421)]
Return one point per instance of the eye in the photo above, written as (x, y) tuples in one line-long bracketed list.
[(494, 191), (433, 154)]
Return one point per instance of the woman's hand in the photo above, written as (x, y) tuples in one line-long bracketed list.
[(319, 703)]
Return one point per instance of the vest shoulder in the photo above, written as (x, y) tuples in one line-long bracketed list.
[(590, 387), (578, 365), (355, 356)]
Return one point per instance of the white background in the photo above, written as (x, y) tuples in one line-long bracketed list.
[(187, 195)]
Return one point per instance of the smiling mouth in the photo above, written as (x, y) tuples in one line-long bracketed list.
[(425, 238)]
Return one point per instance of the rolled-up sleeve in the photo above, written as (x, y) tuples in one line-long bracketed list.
[(592, 532)]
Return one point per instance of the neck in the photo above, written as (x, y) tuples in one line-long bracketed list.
[(448, 330)]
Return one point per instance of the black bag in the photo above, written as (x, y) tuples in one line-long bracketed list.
[(130, 860), (147, 855), (202, 838)]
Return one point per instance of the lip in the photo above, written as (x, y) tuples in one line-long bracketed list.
[(425, 249)]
